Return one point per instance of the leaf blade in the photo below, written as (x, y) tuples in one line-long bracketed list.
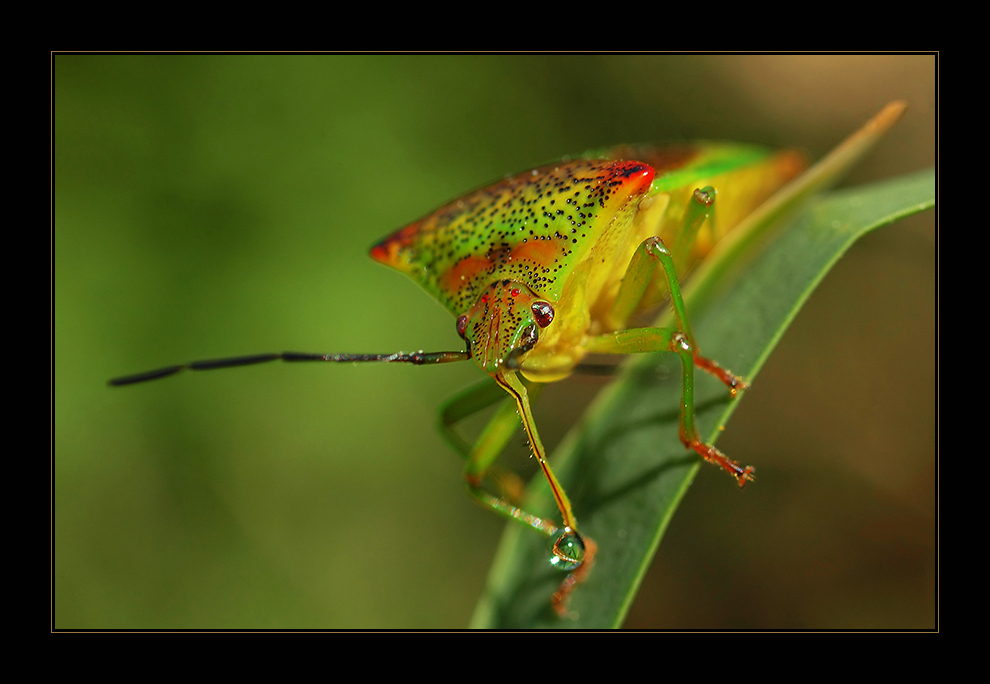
[(623, 464)]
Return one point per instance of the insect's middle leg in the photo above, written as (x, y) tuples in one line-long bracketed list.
[(638, 276), (480, 455), (640, 340), (679, 339)]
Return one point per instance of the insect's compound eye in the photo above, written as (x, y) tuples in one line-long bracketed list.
[(543, 312), (462, 322)]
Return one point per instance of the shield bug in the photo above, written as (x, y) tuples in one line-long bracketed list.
[(549, 265)]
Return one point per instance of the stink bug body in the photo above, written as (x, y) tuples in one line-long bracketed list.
[(546, 266)]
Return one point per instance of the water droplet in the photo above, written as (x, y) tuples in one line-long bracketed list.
[(567, 550)]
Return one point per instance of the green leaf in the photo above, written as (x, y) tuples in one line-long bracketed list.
[(623, 464)]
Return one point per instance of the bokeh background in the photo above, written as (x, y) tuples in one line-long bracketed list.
[(208, 206)]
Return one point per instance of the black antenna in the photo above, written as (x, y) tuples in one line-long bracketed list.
[(416, 358)]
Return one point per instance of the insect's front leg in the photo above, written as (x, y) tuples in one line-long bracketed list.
[(569, 550)]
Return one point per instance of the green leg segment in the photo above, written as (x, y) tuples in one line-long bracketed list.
[(679, 340), (642, 267), (467, 403), (480, 456), (492, 441), (570, 551), (638, 276)]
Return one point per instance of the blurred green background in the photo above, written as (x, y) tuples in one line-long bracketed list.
[(208, 206)]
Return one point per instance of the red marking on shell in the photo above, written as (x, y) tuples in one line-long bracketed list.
[(464, 272), (540, 252), (387, 251), (640, 175), (662, 159)]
